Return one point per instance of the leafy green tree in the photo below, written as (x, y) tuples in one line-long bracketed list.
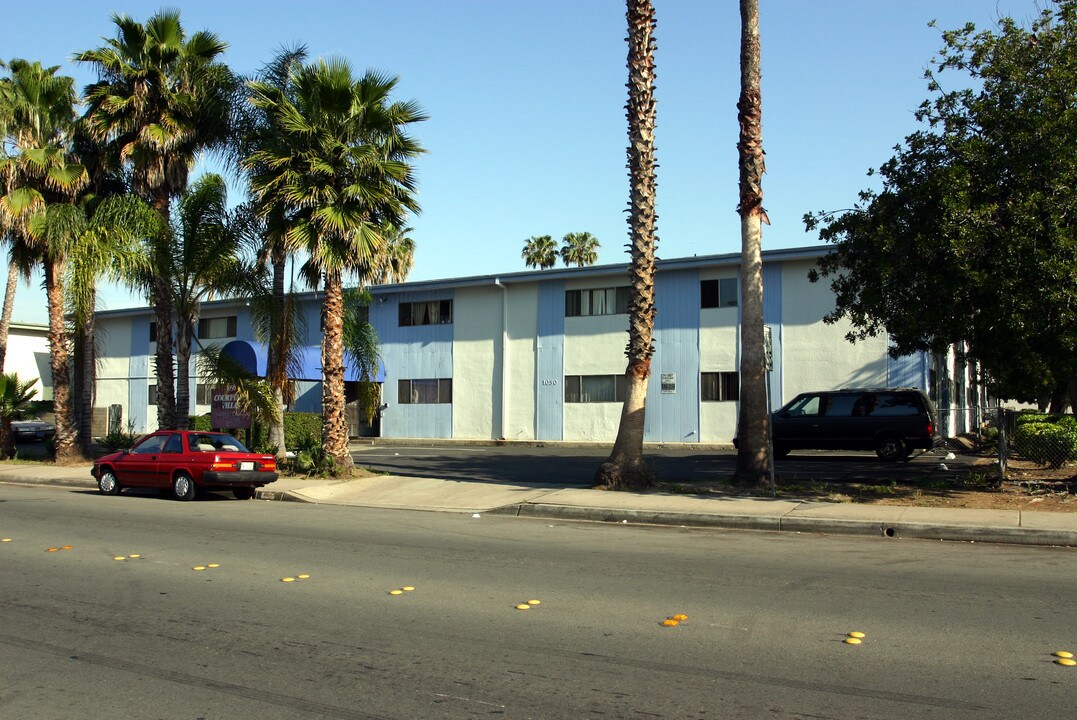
[(340, 161), (973, 235), (753, 422), (16, 403), (397, 256), (625, 468), (579, 249), (161, 100), (540, 252)]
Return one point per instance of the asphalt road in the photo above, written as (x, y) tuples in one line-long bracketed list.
[(953, 630), (577, 465)]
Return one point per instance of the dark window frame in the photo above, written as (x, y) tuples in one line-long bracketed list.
[(231, 327), (421, 312), (405, 388), (575, 301), (712, 294), (575, 388), (721, 386)]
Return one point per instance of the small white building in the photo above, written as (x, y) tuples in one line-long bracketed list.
[(540, 355), (28, 356)]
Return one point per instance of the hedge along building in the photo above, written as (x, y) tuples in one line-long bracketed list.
[(539, 355)]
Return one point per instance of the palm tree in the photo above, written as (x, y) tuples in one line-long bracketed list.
[(625, 468), (753, 424), (162, 98), (340, 162), (540, 251), (16, 398), (42, 179), (579, 249), (206, 262), (396, 258), (274, 314)]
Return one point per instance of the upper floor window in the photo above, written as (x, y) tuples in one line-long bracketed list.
[(153, 331), (432, 312), (719, 387), (595, 388), (218, 327), (718, 293), (603, 301)]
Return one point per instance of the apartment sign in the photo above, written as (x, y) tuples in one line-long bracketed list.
[(224, 411)]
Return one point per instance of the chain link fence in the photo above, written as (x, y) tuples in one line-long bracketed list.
[(1032, 438)]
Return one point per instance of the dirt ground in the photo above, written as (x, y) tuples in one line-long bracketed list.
[(1028, 487)]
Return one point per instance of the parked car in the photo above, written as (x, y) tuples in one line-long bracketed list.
[(32, 430), (890, 421), (183, 463)]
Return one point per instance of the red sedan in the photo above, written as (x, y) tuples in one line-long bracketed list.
[(185, 462)]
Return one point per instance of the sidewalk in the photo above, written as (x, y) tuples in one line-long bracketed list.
[(554, 501)]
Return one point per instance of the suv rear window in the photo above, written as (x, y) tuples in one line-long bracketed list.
[(895, 404)]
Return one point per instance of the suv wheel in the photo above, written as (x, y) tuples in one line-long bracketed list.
[(891, 448)]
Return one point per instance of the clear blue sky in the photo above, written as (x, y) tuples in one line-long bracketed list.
[(527, 132)]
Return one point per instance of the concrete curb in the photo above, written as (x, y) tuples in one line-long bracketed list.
[(775, 523)]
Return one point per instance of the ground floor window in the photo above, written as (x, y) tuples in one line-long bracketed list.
[(719, 387), (595, 388), (417, 392)]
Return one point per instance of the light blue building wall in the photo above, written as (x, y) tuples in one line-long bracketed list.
[(673, 393)]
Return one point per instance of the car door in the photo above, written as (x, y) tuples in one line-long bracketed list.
[(166, 461), (797, 424), (138, 466), (844, 426)]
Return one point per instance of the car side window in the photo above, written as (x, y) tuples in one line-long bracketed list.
[(898, 405), (847, 405), (149, 446), (174, 444), (810, 406)]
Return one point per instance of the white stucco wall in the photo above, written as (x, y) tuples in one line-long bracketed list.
[(476, 367), (27, 356), (520, 372), (816, 356)]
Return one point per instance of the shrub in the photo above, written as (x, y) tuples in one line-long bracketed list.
[(1048, 443), (297, 427)]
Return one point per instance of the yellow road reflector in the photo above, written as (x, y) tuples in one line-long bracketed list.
[(534, 602), (53, 550), (1066, 661), (396, 592), (670, 622), (66, 547), (852, 641), (136, 555), (213, 565), (680, 617), (199, 567), (523, 606), (857, 635), (1063, 654), (5, 539), (304, 576), (287, 579), (121, 557), (408, 588)]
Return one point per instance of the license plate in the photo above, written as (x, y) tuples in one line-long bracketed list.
[(246, 466)]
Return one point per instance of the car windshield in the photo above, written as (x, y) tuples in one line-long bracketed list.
[(215, 442)]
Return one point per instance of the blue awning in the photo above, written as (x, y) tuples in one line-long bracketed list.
[(310, 359), (250, 356)]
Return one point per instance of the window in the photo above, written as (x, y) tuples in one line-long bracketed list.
[(153, 331), (424, 392), (149, 446), (603, 301), (595, 388), (153, 394), (434, 312), (718, 293), (807, 406), (203, 394), (719, 387), (174, 444), (218, 327)]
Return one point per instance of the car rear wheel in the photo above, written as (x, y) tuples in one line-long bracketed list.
[(183, 487), (892, 448), (243, 493), (107, 484)]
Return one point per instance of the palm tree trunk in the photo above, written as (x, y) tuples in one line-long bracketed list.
[(276, 360), (162, 304), (9, 303), (87, 385), (184, 332), (66, 447), (625, 468), (753, 427), (335, 425)]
